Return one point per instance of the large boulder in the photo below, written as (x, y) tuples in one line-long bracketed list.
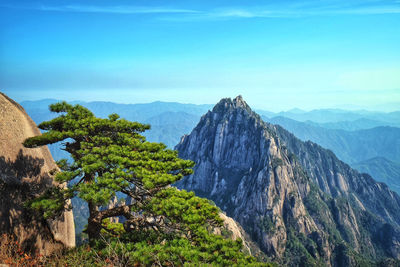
[(25, 173)]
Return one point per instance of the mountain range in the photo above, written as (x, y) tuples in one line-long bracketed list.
[(356, 142), (375, 151), (358, 124), (349, 146), (169, 120), (337, 116)]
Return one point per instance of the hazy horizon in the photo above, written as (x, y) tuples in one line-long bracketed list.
[(293, 109)]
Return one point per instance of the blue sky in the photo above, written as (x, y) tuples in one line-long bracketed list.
[(277, 54)]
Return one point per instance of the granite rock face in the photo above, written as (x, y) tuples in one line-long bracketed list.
[(24, 173), (296, 200)]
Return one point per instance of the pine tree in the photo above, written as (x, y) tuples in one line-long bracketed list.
[(110, 157)]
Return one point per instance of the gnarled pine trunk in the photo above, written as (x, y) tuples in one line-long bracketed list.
[(94, 222)]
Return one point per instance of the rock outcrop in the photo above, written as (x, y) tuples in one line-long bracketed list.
[(233, 230), (297, 201), (24, 173)]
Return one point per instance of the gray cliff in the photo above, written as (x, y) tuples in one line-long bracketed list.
[(297, 201)]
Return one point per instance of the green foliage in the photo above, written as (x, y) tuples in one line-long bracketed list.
[(111, 229), (301, 250), (52, 202), (162, 224), (181, 251), (267, 225), (319, 209), (109, 156), (184, 207), (178, 252)]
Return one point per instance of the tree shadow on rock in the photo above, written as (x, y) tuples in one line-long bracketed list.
[(22, 180)]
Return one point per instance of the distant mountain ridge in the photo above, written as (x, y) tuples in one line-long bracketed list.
[(139, 112), (349, 146), (355, 125), (327, 118), (169, 119), (375, 151), (338, 115)]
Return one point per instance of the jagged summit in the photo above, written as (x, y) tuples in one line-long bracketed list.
[(227, 104), (238, 102), (287, 194)]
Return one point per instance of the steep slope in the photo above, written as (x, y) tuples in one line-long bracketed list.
[(296, 200), (349, 146), (383, 170), (23, 174), (233, 230)]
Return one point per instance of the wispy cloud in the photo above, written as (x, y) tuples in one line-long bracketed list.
[(304, 9), (271, 13), (280, 10), (297, 9), (108, 9)]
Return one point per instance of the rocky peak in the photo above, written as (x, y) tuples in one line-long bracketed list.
[(289, 195), (241, 167), (227, 104)]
